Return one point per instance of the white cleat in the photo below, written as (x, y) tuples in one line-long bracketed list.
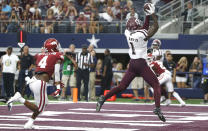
[(29, 125), (162, 99), (183, 104), (15, 98), (167, 102)]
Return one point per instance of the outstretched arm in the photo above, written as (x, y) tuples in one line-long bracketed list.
[(146, 23), (153, 29)]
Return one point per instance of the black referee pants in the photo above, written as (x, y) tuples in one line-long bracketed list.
[(8, 80), (106, 83), (82, 75)]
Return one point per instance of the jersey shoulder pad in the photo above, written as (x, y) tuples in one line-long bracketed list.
[(142, 33)]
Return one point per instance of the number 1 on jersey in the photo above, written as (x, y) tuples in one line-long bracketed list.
[(133, 49), (42, 62)]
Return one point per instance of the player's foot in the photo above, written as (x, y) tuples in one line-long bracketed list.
[(167, 102), (162, 99), (29, 125), (15, 98), (100, 102), (183, 104), (56, 93), (158, 112), (9, 105)]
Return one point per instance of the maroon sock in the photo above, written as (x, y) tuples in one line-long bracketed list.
[(157, 95)]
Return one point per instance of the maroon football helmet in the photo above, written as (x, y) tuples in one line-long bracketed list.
[(133, 24), (51, 45)]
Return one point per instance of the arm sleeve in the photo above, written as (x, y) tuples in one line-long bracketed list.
[(57, 72), (146, 23)]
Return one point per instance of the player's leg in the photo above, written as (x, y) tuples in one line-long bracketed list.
[(170, 89), (164, 78), (126, 80), (39, 88), (146, 92), (152, 80)]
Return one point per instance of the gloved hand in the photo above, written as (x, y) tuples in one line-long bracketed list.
[(149, 8)]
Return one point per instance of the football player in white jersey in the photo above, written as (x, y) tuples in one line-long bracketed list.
[(137, 39), (156, 44), (164, 77)]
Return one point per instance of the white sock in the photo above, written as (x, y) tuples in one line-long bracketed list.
[(22, 100), (58, 86), (31, 120), (176, 95)]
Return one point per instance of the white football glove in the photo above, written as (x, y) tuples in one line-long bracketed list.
[(151, 9)]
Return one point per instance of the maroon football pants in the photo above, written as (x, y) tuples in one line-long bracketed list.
[(138, 67)]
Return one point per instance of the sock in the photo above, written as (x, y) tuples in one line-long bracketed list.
[(31, 120), (22, 100), (176, 95), (157, 94)]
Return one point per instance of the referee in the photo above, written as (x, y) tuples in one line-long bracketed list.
[(84, 61)]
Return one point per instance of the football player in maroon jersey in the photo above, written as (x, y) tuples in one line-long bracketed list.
[(137, 39), (45, 64)]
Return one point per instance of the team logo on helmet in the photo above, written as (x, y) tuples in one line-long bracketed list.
[(51, 45)]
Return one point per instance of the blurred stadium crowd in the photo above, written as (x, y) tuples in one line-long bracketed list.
[(76, 16)]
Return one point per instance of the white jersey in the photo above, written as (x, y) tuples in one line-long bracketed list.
[(137, 44), (157, 53)]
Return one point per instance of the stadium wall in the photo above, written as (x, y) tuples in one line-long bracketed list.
[(183, 44)]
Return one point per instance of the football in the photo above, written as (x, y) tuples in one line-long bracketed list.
[(146, 7)]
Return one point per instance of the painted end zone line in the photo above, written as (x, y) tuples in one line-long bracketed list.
[(119, 103)]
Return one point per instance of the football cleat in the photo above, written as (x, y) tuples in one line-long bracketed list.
[(100, 102), (158, 112), (15, 98), (56, 93), (183, 104), (9, 105), (162, 99), (167, 102), (29, 125)]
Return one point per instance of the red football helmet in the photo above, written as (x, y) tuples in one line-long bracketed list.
[(51, 45), (133, 24)]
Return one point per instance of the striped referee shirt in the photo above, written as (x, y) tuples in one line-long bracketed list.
[(84, 58)]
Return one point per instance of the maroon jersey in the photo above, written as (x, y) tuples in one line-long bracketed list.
[(45, 62), (157, 68)]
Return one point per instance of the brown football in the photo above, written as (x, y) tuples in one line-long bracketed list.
[(146, 7)]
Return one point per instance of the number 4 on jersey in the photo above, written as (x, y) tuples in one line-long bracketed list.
[(42, 62)]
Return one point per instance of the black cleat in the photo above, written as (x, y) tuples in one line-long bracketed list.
[(9, 106), (158, 112), (100, 102)]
